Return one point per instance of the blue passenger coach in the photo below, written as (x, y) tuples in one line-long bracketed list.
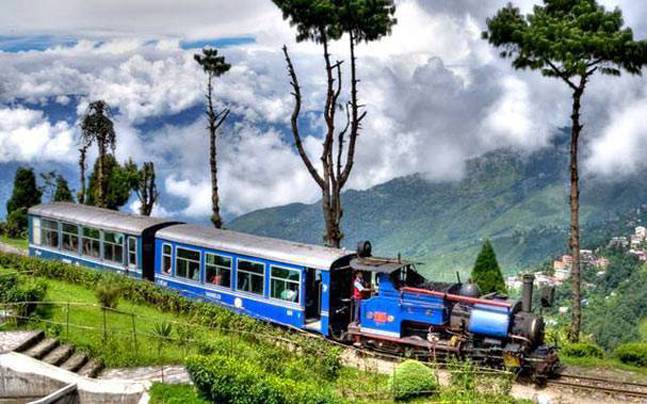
[(276, 280), (94, 237)]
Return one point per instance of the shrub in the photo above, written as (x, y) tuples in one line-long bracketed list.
[(634, 353), (582, 350), (411, 379), (108, 292), (229, 380)]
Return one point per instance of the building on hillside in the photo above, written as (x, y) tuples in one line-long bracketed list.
[(562, 274), (586, 256), (619, 242), (641, 232), (601, 263), (636, 241), (641, 255)]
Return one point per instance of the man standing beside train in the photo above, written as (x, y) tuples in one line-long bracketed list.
[(359, 290)]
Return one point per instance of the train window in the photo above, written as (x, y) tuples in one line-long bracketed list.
[(113, 247), (217, 270), (35, 231), (167, 259), (187, 264), (70, 236), (285, 284), (91, 242), (49, 233), (251, 277), (132, 252)]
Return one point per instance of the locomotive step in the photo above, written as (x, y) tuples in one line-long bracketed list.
[(91, 369), (75, 362), (42, 348), (59, 355)]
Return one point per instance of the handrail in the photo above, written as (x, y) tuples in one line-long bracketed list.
[(457, 298)]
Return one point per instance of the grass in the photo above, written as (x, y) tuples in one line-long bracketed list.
[(642, 329), (14, 242), (161, 393)]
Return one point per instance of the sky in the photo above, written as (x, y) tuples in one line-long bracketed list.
[(436, 94)]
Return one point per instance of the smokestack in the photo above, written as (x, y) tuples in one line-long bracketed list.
[(526, 294)]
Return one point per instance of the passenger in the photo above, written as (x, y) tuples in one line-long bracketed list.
[(359, 290)]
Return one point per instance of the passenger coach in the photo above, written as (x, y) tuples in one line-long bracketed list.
[(290, 283), (94, 237)]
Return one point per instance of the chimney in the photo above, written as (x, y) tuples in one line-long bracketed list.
[(526, 294)]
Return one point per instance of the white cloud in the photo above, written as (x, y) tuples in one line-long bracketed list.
[(26, 135)]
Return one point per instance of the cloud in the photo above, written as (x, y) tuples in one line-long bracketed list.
[(435, 92), (26, 136)]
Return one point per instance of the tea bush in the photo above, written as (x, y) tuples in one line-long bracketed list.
[(634, 353), (108, 292), (224, 379), (411, 379), (582, 350)]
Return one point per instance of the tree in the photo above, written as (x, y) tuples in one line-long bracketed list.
[(25, 194), (63, 192), (146, 188), (486, 272), (322, 22), (49, 184), (98, 128), (570, 40), (214, 66), (120, 182), (82, 167)]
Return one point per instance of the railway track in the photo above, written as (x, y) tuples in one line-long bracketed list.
[(615, 387)]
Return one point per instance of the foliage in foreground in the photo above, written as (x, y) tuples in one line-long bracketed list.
[(225, 379), (634, 353), (412, 379), (582, 350), (18, 289), (161, 393)]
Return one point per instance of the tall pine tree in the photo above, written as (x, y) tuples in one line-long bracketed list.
[(486, 273), (63, 192), (25, 195)]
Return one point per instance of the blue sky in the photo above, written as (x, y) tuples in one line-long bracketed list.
[(435, 93)]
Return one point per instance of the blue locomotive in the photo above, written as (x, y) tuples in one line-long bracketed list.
[(302, 286)]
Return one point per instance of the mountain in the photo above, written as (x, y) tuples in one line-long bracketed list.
[(519, 202)]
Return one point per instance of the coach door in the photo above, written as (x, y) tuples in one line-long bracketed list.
[(313, 296)]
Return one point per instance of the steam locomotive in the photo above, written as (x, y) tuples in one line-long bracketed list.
[(301, 286)]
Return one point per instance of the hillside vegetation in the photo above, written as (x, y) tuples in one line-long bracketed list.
[(519, 202)]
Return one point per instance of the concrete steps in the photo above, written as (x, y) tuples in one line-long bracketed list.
[(91, 369), (51, 351)]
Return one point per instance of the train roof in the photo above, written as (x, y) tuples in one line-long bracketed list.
[(306, 255), (378, 265), (97, 217)]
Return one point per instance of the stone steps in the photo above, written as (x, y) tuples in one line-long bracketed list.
[(51, 351), (91, 369), (42, 348)]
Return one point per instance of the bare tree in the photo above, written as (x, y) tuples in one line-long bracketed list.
[(214, 66), (322, 22), (82, 167), (146, 188)]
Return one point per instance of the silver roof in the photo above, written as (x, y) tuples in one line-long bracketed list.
[(96, 217), (306, 255)]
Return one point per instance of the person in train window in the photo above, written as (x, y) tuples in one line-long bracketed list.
[(360, 290), (216, 279)]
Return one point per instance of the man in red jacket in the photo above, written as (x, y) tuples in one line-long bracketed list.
[(359, 291)]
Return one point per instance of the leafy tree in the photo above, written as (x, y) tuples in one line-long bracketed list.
[(570, 40), (120, 181), (63, 192), (25, 192), (49, 184), (98, 128), (214, 66), (146, 188), (486, 272), (322, 22)]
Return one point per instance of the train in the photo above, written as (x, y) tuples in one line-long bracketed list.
[(308, 287)]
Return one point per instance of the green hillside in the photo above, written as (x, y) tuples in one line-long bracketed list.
[(520, 202)]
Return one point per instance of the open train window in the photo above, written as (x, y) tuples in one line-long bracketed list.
[(49, 233), (217, 270), (113, 247), (187, 264), (91, 242), (70, 235), (250, 277), (285, 283)]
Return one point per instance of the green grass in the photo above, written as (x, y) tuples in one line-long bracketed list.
[(642, 329), (15, 242), (175, 394)]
